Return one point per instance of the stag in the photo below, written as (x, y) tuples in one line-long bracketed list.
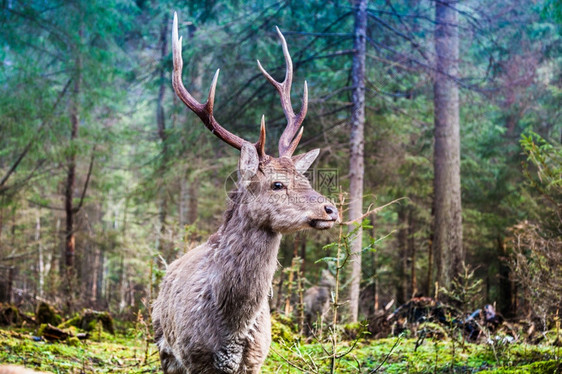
[(212, 312)]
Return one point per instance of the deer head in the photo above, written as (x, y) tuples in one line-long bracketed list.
[(274, 191)]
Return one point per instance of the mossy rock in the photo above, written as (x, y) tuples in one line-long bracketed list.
[(353, 331), (74, 321), (47, 314), (73, 341), (90, 318), (9, 315), (281, 332)]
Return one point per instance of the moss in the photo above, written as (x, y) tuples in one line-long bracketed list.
[(432, 330), (540, 367), (91, 317), (41, 329), (73, 341), (285, 320), (74, 321), (281, 332), (544, 367), (9, 315), (91, 326), (47, 314), (353, 331)]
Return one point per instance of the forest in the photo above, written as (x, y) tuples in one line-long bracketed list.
[(439, 129)]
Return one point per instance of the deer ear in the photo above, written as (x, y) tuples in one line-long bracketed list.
[(249, 162), (303, 161)]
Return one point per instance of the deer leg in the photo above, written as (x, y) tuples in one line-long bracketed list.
[(258, 342), (170, 365), (229, 357)]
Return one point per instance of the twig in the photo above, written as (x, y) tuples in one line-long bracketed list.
[(287, 361), (371, 211)]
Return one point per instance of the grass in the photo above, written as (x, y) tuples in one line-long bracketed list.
[(119, 354), (431, 357), (126, 352)]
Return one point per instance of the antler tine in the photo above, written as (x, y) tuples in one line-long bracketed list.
[(260, 144), (203, 111), (291, 148), (286, 143)]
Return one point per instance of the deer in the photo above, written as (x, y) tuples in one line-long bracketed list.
[(212, 312), (317, 302)]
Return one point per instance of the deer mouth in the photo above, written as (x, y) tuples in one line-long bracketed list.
[(321, 224)]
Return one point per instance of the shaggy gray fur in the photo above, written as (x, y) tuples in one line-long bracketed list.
[(212, 314)]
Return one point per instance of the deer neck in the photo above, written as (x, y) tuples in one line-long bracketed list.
[(245, 258)]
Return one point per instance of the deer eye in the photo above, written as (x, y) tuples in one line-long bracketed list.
[(276, 186)]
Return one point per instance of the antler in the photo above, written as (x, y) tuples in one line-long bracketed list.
[(203, 111), (288, 142)]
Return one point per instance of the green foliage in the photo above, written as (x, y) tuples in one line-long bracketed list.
[(465, 291), (74, 321), (432, 356), (73, 341), (117, 355), (547, 159), (126, 354), (281, 331), (541, 367), (47, 314)]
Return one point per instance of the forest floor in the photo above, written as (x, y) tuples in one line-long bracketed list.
[(128, 352)]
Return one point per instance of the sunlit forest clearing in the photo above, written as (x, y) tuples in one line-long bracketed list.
[(128, 354), (383, 187)]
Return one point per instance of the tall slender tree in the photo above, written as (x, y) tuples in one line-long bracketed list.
[(447, 225), (356, 163)]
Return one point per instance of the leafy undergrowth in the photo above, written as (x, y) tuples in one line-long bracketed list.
[(127, 353), (101, 354), (394, 355)]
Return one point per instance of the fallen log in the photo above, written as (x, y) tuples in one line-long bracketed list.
[(52, 333)]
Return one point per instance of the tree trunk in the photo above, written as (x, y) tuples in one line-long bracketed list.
[(192, 211), (1, 220), (279, 298), (99, 278), (40, 259), (182, 203), (375, 269), (94, 254), (160, 115), (356, 164), (506, 294), (429, 275), (291, 280), (412, 253), (447, 229), (402, 284), (70, 241), (121, 285), (161, 128)]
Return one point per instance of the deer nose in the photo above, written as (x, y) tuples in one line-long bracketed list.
[(331, 211)]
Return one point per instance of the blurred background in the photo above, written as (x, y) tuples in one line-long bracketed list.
[(106, 177)]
